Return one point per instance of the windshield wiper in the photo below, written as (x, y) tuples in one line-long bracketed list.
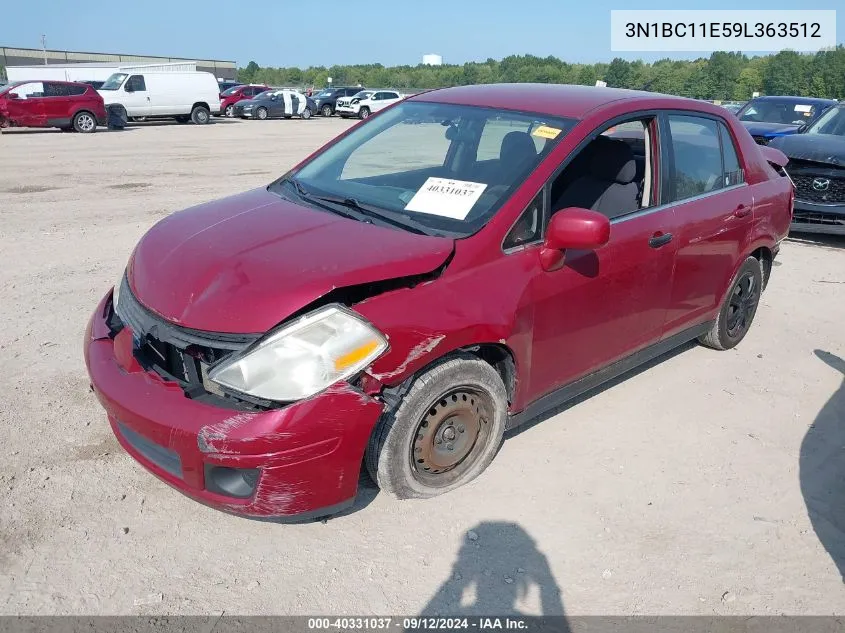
[(321, 202), (373, 212)]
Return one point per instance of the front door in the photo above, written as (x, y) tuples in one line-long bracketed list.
[(604, 305), (714, 207), (136, 98)]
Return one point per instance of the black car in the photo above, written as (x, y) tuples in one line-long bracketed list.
[(326, 100), (817, 167), (275, 104)]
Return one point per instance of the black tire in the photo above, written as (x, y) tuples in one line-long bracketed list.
[(738, 308), (261, 114), (457, 402), (326, 110), (230, 110), (364, 112), (84, 122), (200, 115), (306, 114)]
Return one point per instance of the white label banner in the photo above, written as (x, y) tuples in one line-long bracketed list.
[(722, 30), (446, 198)]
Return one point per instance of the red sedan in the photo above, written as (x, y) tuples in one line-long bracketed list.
[(450, 268), (62, 104)]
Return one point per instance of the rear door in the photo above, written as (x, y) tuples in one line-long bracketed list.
[(28, 109), (57, 103), (714, 209)]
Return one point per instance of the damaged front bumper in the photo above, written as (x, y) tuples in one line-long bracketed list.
[(296, 462)]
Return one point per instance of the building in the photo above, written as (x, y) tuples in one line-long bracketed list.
[(432, 60), (30, 56)]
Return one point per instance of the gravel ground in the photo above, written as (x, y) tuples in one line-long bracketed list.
[(681, 490)]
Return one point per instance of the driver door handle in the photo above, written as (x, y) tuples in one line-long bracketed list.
[(659, 239), (741, 211)]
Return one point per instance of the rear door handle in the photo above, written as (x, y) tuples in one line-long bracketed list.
[(741, 211), (659, 239)]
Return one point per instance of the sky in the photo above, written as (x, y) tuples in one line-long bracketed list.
[(312, 33)]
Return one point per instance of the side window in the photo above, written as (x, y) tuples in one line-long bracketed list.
[(614, 174), (136, 84), (29, 90), (697, 156), (529, 226), (391, 95), (376, 97), (52, 89), (733, 171), (75, 91)]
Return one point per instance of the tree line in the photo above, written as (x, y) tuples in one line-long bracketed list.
[(723, 75)]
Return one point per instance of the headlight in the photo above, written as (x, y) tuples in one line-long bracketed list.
[(303, 357)]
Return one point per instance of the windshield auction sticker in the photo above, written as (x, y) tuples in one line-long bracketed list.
[(544, 131), (446, 198)]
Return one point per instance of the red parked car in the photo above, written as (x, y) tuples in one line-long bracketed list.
[(452, 267), (228, 98), (62, 104)]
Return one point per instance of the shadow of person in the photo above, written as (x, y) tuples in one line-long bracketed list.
[(497, 573), (822, 469)]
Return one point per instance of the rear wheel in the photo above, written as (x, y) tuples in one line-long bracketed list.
[(306, 113), (261, 113), (738, 309), (444, 432), (84, 122), (364, 112), (200, 115), (326, 110)]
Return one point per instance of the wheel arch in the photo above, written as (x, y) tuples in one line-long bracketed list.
[(200, 104)]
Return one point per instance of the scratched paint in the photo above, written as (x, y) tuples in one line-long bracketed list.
[(219, 430), (420, 349)]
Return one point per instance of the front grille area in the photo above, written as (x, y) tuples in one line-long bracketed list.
[(819, 188), (180, 354), (169, 461), (818, 219)]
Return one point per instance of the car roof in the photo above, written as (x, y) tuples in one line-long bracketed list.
[(552, 99), (793, 99)]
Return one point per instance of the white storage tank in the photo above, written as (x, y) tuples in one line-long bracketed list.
[(432, 59)]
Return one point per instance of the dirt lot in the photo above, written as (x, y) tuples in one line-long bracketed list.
[(681, 490)]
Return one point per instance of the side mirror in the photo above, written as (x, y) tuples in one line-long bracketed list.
[(128, 88), (574, 228), (803, 128)]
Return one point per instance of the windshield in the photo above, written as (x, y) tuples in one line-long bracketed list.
[(326, 93), (230, 91), (831, 122), (363, 94), (264, 95), (444, 167), (114, 82), (776, 111)]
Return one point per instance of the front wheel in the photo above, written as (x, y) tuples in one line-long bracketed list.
[(738, 308), (84, 122), (364, 112), (444, 432), (306, 113), (261, 114), (230, 109), (326, 110), (200, 115)]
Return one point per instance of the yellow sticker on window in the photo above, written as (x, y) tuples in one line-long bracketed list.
[(544, 131)]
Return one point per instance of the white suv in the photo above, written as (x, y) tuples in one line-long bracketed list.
[(366, 102)]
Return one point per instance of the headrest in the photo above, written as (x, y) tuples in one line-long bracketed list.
[(613, 161), (517, 146)]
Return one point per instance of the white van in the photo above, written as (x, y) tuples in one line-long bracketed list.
[(184, 96)]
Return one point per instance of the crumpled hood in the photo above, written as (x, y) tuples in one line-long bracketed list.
[(770, 129), (820, 148), (242, 264)]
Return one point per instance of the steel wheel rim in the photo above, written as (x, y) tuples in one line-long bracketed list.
[(742, 305), (451, 436), (202, 117), (86, 123)]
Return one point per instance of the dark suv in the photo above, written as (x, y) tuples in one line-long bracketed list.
[(326, 100)]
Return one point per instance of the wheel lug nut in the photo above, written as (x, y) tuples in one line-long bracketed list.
[(461, 429), (451, 447), (438, 441)]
